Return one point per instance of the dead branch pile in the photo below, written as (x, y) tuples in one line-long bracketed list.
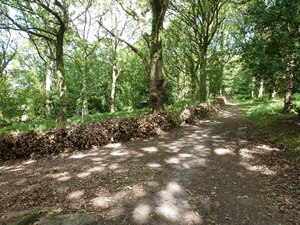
[(84, 136)]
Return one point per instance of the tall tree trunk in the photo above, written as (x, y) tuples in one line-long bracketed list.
[(253, 87), (48, 71), (273, 92), (261, 89), (288, 103), (157, 77), (84, 109), (194, 79), (203, 76), (60, 73), (115, 75)]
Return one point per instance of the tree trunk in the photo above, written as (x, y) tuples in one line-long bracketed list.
[(48, 71), (115, 75), (273, 93), (288, 103), (194, 79), (84, 109), (60, 73), (157, 77), (203, 77), (253, 87), (261, 89)]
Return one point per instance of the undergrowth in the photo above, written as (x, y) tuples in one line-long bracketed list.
[(280, 128)]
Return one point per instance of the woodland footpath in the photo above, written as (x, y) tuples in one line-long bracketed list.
[(222, 170)]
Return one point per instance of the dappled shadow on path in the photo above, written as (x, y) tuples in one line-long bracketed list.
[(203, 174)]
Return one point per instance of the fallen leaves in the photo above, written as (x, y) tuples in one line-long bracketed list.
[(84, 136)]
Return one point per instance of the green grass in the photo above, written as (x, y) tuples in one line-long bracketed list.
[(44, 125), (279, 128), (25, 220), (264, 109)]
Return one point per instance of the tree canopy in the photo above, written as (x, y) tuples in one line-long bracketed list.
[(64, 58)]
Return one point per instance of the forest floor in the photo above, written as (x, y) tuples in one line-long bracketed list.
[(219, 171)]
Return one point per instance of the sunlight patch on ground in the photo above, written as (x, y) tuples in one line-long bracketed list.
[(197, 136), (257, 168), (199, 147), (223, 151), (154, 165), (174, 207), (107, 201), (245, 153), (113, 166), (96, 169), (75, 195), (83, 155), (119, 153), (13, 168), (150, 149), (173, 160), (184, 155), (29, 162), (102, 202), (60, 176), (90, 171), (266, 148), (83, 175), (113, 145), (97, 159), (138, 191), (141, 213)]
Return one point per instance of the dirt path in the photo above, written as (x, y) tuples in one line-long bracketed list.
[(210, 173)]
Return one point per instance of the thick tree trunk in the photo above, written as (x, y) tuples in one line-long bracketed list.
[(115, 75), (261, 89), (157, 77), (194, 79), (60, 73), (288, 103), (193, 85), (203, 77)]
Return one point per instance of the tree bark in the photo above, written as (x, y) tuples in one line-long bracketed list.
[(157, 77), (203, 76), (273, 91), (60, 73), (115, 75), (261, 89), (253, 87), (48, 71), (288, 103)]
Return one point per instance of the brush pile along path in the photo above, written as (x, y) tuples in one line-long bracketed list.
[(219, 171)]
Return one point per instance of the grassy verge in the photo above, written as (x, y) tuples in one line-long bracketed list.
[(44, 125), (280, 128)]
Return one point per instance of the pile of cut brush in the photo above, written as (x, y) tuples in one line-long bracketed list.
[(84, 136), (204, 110)]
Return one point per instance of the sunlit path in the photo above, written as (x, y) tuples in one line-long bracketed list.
[(203, 174)]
